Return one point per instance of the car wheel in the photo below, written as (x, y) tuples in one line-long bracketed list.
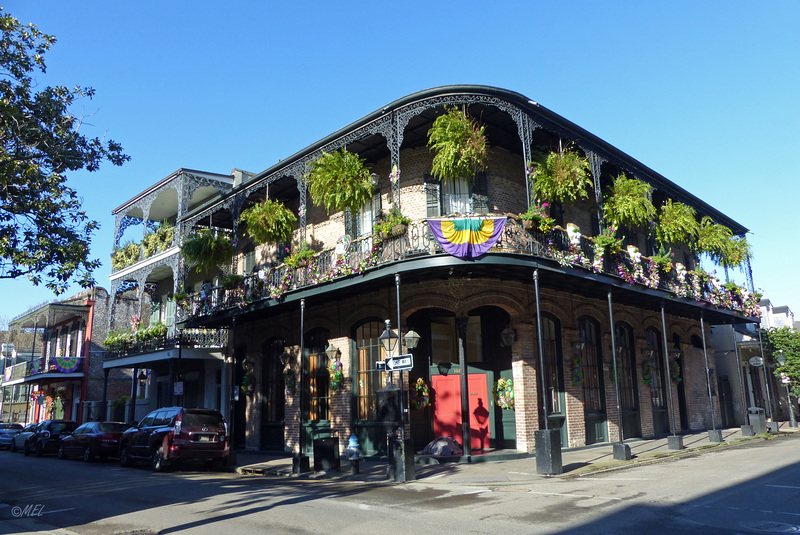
[(124, 456), (159, 463), (38, 449), (26, 450), (13, 447), (87, 454), (60, 452)]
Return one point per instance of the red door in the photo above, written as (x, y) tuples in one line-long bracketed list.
[(447, 408)]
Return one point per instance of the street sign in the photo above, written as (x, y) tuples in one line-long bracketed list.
[(401, 363), (380, 365), (756, 361)]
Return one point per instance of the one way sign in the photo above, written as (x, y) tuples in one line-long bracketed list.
[(396, 364)]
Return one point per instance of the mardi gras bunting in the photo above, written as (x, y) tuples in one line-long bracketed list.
[(467, 237)]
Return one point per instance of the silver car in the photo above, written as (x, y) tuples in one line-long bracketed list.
[(7, 432), (18, 440)]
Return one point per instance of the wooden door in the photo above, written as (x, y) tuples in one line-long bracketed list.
[(447, 409)]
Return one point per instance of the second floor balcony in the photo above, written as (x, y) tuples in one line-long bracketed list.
[(42, 368), (557, 247), (129, 346)]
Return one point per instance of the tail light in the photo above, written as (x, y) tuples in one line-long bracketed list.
[(177, 428)]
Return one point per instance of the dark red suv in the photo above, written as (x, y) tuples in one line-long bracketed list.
[(175, 434)]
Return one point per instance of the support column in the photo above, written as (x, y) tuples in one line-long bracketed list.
[(526, 393), (621, 450), (714, 435), (675, 442)]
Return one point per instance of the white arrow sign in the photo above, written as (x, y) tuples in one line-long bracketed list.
[(401, 363)]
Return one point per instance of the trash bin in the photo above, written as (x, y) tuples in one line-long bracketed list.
[(758, 420), (326, 449)]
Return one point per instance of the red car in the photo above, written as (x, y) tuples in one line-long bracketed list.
[(92, 439)]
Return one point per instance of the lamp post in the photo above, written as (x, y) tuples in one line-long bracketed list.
[(792, 420), (401, 456)]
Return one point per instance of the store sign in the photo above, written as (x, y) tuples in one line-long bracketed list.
[(756, 361), (178, 390)]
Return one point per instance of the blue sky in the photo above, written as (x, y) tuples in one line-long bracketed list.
[(705, 93)]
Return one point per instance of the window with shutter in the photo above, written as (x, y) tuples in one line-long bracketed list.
[(432, 200)]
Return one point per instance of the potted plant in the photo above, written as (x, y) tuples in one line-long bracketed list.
[(300, 257), (536, 218), (391, 224), (607, 240), (125, 256), (268, 221), (561, 176), (207, 248), (339, 180), (159, 240), (627, 203), (231, 281), (677, 224), (459, 144)]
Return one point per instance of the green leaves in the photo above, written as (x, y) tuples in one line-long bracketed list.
[(628, 204), (561, 176), (677, 224), (339, 180), (460, 146), (787, 340), (207, 249), (269, 221), (44, 233)]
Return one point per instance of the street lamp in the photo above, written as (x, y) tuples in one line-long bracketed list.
[(389, 339), (412, 339), (332, 351), (782, 362)]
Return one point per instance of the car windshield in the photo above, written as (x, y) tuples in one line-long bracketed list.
[(201, 419), (63, 427), (113, 427)]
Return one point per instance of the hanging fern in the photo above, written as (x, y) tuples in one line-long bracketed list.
[(737, 252), (460, 146), (269, 221), (628, 204), (561, 176), (677, 224), (713, 239), (340, 180), (207, 249)]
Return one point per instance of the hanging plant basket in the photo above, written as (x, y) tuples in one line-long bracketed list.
[(627, 203), (460, 146), (339, 180), (269, 221), (207, 249), (561, 176)]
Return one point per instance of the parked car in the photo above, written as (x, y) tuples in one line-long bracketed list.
[(92, 439), (18, 440), (7, 432), (175, 434), (47, 436)]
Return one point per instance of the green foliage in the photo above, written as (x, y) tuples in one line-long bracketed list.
[(738, 251), (677, 224), (231, 281), (788, 340), (628, 203), (387, 221), (340, 180), (460, 146), (158, 241), (713, 239), (125, 256), (537, 214), (269, 221), (205, 248), (561, 176), (300, 256), (663, 260), (44, 233), (607, 239), (122, 340)]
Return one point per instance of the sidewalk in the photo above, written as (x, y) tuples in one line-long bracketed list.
[(502, 467)]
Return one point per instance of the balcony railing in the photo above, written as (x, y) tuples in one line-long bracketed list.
[(42, 365), (366, 253), (201, 338)]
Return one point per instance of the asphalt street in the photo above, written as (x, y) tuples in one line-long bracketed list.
[(750, 489)]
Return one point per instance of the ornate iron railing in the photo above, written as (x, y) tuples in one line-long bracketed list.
[(202, 338), (418, 241), (41, 365)]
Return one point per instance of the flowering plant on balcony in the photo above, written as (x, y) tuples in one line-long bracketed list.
[(538, 218), (503, 393), (391, 224), (420, 395), (300, 257), (608, 241)]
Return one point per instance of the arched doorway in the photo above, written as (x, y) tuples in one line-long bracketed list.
[(677, 376), (273, 396), (628, 384), (554, 375), (594, 393), (654, 377)]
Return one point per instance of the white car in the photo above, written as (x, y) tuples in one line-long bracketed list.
[(7, 432), (18, 440)]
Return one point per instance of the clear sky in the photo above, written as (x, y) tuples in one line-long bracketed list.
[(705, 93)]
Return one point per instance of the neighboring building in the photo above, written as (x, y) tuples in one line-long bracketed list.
[(479, 319), (777, 317), (61, 375), (149, 264)]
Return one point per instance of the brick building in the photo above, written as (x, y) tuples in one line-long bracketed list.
[(481, 320)]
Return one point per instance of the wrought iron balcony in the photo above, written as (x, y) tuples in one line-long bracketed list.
[(42, 365), (197, 338), (418, 241)]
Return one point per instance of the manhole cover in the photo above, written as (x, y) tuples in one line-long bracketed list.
[(478, 480), (771, 527)]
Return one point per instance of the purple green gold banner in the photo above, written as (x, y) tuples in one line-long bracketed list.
[(467, 237)]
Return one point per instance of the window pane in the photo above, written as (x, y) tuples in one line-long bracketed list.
[(368, 352)]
